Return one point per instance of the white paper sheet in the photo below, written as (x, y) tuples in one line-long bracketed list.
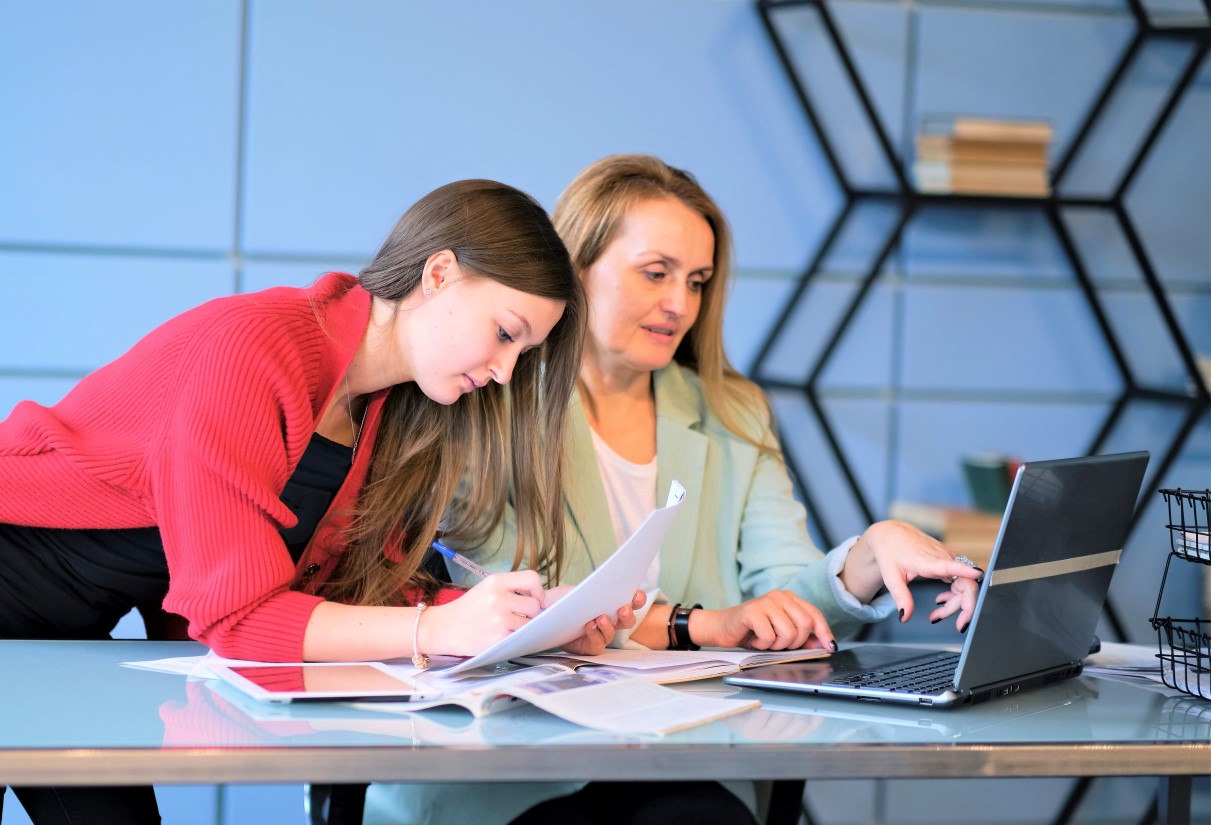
[(605, 590)]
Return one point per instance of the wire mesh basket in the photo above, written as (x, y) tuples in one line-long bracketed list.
[(1188, 531), (1185, 644)]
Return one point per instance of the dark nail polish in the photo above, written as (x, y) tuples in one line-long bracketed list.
[(964, 630), (980, 570), (901, 614), (833, 646), (935, 621)]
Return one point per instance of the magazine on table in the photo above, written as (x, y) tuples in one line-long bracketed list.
[(603, 700)]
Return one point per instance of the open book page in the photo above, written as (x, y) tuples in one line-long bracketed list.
[(598, 699), (606, 589), (668, 666), (482, 692)]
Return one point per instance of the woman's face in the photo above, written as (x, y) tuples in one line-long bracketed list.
[(472, 331), (645, 289)]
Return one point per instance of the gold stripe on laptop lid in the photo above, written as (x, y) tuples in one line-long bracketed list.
[(1043, 570)]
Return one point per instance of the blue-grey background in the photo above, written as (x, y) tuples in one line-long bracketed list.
[(157, 153)]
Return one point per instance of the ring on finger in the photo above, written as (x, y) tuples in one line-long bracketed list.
[(962, 560)]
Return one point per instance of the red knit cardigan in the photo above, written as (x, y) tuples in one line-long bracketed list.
[(195, 430)]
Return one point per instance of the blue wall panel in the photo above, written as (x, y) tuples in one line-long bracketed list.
[(862, 357), (73, 313), (1150, 350), (1170, 200), (1101, 165), (347, 125), (752, 307), (876, 40), (1004, 339), (1102, 247), (120, 123), (821, 475), (198, 805), (1011, 63), (260, 804), (934, 437), (970, 243), (866, 438)]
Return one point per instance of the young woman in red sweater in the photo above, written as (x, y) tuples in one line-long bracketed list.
[(270, 468)]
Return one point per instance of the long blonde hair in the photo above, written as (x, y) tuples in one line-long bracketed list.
[(589, 215), (452, 467)]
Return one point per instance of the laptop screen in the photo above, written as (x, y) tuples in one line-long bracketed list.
[(1063, 532)]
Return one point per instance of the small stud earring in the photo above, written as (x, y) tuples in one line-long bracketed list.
[(428, 292)]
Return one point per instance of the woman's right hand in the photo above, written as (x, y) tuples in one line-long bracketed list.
[(600, 631), (483, 615), (778, 620)]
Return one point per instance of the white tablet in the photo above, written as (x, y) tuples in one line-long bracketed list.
[(321, 681)]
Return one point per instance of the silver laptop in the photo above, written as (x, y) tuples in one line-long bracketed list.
[(1060, 540)]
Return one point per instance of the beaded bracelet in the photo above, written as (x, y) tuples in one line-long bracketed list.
[(419, 660)]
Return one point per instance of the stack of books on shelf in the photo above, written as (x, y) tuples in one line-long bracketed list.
[(983, 156)]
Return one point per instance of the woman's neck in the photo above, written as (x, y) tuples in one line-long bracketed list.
[(379, 362), (621, 409)]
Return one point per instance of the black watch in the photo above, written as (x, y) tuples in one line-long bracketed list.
[(681, 628)]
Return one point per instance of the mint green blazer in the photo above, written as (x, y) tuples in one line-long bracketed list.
[(740, 532)]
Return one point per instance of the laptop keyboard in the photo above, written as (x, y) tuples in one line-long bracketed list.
[(930, 675)]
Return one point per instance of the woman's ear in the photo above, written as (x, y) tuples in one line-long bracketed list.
[(441, 269)]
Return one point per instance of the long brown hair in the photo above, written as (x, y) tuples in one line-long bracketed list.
[(452, 467), (589, 215)]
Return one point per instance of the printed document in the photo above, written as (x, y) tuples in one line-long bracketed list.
[(605, 590)]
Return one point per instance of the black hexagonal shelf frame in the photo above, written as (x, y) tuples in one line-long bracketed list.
[(1194, 403)]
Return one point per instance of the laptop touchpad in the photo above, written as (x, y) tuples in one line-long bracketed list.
[(838, 665)]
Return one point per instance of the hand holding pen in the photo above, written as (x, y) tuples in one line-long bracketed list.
[(484, 614), (598, 633)]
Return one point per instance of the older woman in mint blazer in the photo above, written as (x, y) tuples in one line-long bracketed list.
[(740, 532), (657, 401)]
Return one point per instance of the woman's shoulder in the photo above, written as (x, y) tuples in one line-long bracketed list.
[(284, 302), (268, 320), (738, 402)]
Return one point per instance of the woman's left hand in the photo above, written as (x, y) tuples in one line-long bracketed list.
[(600, 632), (892, 553)]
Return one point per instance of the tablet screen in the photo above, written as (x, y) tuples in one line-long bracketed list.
[(332, 681)]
